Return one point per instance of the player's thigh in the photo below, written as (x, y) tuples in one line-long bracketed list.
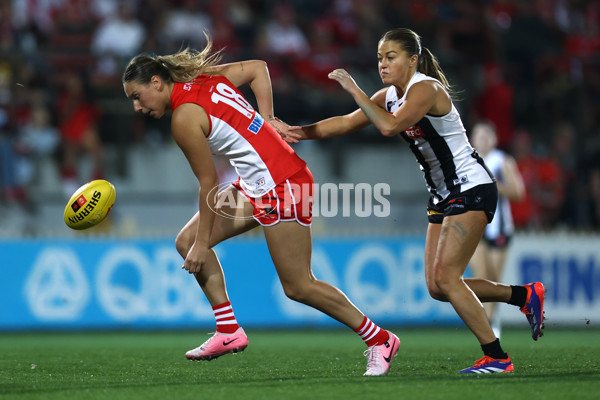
[(233, 217), (290, 246), (460, 234)]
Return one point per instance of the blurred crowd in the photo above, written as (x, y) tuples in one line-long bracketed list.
[(531, 68)]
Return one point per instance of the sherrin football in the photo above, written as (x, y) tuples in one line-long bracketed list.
[(90, 204)]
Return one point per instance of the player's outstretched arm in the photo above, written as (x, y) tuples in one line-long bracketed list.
[(334, 126), (188, 126), (330, 127)]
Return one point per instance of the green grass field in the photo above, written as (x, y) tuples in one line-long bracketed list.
[(294, 364)]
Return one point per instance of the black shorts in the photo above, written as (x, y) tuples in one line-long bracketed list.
[(480, 198)]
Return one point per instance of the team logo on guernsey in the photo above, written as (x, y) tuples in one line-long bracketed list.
[(462, 180), (414, 132), (188, 87)]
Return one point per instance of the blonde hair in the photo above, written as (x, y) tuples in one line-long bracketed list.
[(183, 66)]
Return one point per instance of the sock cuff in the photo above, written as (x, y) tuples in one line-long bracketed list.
[(518, 296), (363, 324), (225, 318), (222, 307)]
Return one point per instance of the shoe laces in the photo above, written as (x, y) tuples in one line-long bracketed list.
[(214, 334), (372, 357), (483, 361)]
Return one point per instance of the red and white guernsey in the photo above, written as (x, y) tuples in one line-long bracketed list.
[(254, 148)]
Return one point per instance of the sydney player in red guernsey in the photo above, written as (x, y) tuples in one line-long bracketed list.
[(274, 189)]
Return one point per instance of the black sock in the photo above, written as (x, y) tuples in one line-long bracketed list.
[(494, 350), (518, 296)]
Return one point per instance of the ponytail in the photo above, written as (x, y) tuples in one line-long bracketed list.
[(183, 66), (429, 65)]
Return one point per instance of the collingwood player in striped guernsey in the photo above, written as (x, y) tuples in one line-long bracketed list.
[(417, 106)]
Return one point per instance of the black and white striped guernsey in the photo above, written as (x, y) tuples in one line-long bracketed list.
[(449, 163), (502, 224)]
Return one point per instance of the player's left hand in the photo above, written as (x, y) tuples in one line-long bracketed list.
[(196, 258), (344, 79)]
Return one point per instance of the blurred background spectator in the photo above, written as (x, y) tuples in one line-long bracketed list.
[(118, 37), (281, 37), (184, 25), (78, 126), (533, 68)]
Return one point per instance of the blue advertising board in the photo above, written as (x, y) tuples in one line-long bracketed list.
[(140, 284)]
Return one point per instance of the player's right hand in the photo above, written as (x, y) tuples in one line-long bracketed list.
[(287, 132)]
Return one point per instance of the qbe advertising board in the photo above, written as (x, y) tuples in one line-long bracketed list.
[(138, 284)]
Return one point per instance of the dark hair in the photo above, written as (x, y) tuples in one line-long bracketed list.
[(183, 66), (410, 42)]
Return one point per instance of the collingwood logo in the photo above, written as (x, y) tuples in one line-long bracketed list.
[(83, 212)]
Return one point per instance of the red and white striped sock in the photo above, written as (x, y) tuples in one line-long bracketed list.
[(371, 333), (226, 322)]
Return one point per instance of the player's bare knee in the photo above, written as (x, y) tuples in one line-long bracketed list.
[(296, 292), (441, 286), (182, 244), (293, 293), (435, 292)]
